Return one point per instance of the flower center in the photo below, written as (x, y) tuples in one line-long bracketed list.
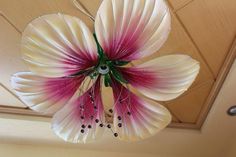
[(103, 69)]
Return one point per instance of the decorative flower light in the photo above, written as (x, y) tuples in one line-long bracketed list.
[(69, 66)]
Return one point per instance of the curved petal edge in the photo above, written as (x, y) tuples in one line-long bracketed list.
[(164, 78)]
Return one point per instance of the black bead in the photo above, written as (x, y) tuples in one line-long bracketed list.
[(83, 126), (108, 126), (82, 117), (115, 134), (119, 125), (111, 111), (129, 113), (89, 126), (95, 107), (96, 120), (119, 117), (101, 125), (82, 131)]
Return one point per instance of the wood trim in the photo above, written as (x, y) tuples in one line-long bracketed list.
[(21, 111), (29, 113), (217, 85), (9, 91), (8, 21), (177, 8), (183, 125)]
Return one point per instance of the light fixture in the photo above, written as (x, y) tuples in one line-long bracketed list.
[(232, 111), (70, 65)]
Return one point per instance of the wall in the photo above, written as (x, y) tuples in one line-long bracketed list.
[(13, 150)]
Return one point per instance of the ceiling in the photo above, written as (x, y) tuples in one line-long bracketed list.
[(203, 29)]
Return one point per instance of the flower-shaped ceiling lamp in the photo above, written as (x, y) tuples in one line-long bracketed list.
[(70, 65)]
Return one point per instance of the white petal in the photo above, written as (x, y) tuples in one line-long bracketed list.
[(58, 45), (174, 75), (68, 124), (131, 29), (139, 118), (46, 95)]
